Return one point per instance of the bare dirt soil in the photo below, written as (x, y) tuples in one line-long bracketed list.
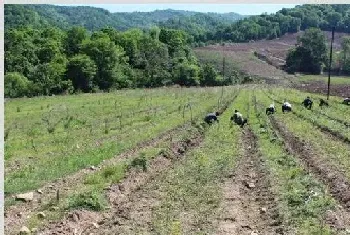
[(341, 90), (271, 53), (16, 215), (249, 206), (131, 200)]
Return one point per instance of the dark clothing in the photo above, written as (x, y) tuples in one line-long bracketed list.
[(270, 110), (323, 103), (346, 101), (238, 119), (286, 108), (210, 118), (307, 103)]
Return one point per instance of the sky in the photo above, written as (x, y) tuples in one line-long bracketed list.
[(243, 9)]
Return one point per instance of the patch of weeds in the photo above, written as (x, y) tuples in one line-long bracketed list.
[(176, 228), (114, 173), (6, 134), (140, 161), (69, 120), (147, 118), (51, 130), (93, 179), (312, 228), (109, 175), (165, 153), (91, 200), (106, 126), (18, 109)]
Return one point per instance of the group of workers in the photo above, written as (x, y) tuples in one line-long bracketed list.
[(238, 119)]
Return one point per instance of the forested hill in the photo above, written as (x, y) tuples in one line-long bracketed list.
[(270, 26), (92, 18)]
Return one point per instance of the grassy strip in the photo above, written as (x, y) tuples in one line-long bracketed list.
[(90, 195), (302, 200), (33, 176), (335, 111), (329, 149), (192, 191), (334, 127), (84, 126)]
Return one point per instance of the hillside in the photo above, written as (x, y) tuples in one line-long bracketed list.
[(95, 18)]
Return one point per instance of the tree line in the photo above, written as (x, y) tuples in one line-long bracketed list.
[(48, 60), (311, 54), (271, 26)]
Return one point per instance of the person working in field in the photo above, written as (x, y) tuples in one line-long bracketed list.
[(238, 119), (346, 101), (271, 109), (211, 118), (323, 103), (307, 103), (286, 107)]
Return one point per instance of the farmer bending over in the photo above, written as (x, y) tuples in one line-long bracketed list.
[(286, 107), (211, 118), (271, 109), (346, 101), (323, 103), (238, 119), (307, 103)]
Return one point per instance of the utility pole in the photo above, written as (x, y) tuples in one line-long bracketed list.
[(330, 62), (223, 68)]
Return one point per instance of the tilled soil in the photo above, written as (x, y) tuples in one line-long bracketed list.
[(16, 215), (338, 184), (249, 206), (324, 129), (341, 90), (131, 200)]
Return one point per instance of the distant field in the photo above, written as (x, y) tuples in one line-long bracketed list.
[(242, 54), (324, 78)]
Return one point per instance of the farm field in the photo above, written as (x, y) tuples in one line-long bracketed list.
[(143, 162), (338, 80), (274, 53)]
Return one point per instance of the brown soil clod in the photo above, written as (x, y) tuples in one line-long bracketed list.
[(248, 198)]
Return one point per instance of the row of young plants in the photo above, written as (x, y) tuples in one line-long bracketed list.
[(302, 200), (336, 110), (102, 124), (45, 169), (318, 120), (91, 195)]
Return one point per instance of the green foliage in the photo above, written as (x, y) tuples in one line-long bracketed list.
[(345, 60), (56, 61), (270, 26), (310, 55), (16, 85), (88, 200), (81, 70), (139, 161), (209, 76)]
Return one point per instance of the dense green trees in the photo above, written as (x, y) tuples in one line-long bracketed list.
[(49, 61), (345, 58), (270, 26), (311, 53)]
